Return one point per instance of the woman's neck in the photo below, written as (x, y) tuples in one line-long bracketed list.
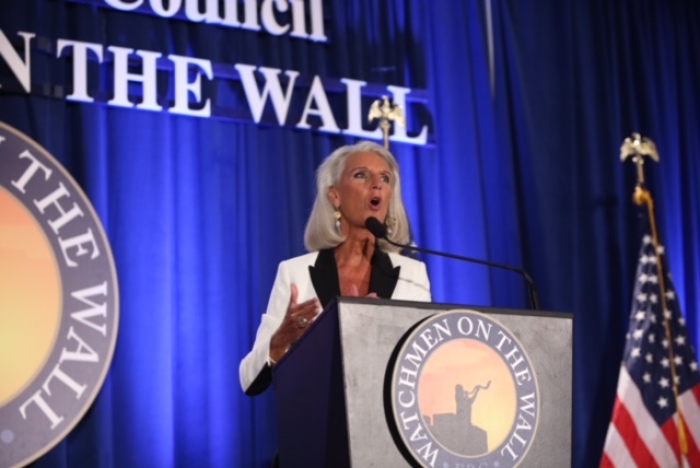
[(357, 249), (354, 261)]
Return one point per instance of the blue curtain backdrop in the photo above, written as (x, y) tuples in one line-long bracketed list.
[(522, 170)]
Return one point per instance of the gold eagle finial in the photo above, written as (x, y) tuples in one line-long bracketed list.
[(638, 147), (386, 112)]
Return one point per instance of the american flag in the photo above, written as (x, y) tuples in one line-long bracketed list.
[(644, 429)]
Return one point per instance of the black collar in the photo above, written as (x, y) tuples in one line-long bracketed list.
[(324, 276)]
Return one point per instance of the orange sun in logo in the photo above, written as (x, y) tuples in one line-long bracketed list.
[(467, 382), (30, 297)]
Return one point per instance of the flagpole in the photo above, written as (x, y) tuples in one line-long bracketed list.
[(639, 147)]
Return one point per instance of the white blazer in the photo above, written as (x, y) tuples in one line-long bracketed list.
[(316, 276)]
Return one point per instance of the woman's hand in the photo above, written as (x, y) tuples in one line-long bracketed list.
[(294, 324)]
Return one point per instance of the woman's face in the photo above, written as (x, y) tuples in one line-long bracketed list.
[(364, 189)]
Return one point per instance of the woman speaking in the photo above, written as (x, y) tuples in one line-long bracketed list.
[(354, 183)]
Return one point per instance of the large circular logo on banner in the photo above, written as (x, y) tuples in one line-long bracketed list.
[(59, 305), (464, 393)]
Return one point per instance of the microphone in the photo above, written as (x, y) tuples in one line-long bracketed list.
[(378, 228)]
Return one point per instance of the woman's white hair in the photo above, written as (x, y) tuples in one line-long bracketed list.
[(320, 229)]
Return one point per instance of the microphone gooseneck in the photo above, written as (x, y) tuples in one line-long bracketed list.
[(378, 229)]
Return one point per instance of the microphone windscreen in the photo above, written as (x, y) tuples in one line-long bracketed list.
[(376, 227)]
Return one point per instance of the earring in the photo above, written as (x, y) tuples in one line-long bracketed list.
[(336, 215), (389, 223)]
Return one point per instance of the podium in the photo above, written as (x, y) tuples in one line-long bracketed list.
[(332, 387)]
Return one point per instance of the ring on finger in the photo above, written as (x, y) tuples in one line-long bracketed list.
[(302, 322)]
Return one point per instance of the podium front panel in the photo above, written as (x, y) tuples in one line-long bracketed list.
[(369, 334), (333, 386)]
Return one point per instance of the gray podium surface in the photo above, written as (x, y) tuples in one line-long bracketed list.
[(331, 385)]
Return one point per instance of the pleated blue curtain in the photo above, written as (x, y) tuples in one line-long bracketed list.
[(574, 79), (200, 211)]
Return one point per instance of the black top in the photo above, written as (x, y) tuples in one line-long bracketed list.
[(324, 276)]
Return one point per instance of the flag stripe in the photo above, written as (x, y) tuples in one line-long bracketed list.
[(691, 410), (693, 456), (627, 431), (616, 453), (645, 425), (670, 431)]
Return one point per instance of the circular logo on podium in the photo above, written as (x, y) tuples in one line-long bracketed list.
[(464, 393), (58, 301)]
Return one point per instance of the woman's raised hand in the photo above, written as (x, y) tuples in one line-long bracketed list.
[(294, 324)]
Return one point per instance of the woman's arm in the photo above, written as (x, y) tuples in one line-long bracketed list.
[(254, 370)]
